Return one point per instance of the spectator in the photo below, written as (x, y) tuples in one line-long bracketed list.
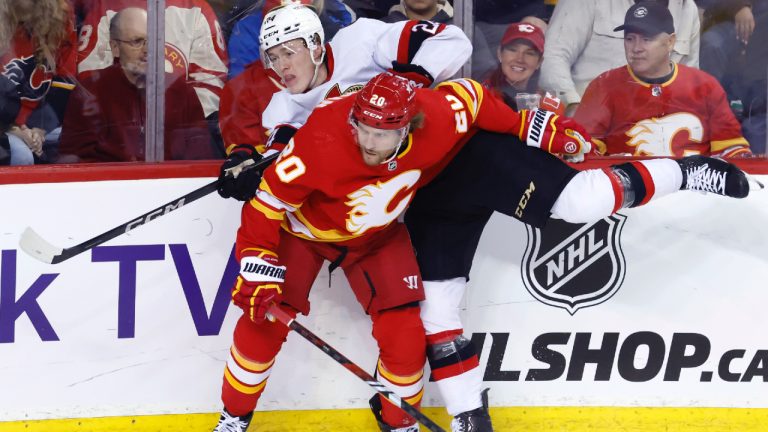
[(492, 17), (654, 107), (194, 44), (105, 118), (726, 31), (374, 9), (426, 10), (520, 55), (37, 55), (581, 43), (243, 42), (754, 82)]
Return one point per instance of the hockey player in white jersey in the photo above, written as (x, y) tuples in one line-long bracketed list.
[(292, 44)]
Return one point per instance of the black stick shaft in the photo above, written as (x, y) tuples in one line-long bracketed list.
[(149, 216), (286, 319)]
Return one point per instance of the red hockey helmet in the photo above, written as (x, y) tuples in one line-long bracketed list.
[(387, 101)]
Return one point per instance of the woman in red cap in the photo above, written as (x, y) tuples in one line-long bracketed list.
[(520, 55)]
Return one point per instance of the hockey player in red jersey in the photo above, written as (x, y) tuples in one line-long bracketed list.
[(336, 192)]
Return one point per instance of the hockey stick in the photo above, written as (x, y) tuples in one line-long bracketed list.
[(36, 246), (291, 323)]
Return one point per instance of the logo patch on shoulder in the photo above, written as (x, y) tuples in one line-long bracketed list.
[(572, 266)]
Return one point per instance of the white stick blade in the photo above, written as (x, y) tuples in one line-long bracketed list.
[(37, 247)]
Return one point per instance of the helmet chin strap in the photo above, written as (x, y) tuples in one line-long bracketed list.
[(317, 64), (403, 136)]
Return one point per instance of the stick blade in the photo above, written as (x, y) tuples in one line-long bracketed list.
[(37, 247)]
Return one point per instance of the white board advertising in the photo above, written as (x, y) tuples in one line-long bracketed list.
[(661, 305)]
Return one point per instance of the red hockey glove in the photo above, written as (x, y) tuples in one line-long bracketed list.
[(555, 134), (415, 74), (259, 284)]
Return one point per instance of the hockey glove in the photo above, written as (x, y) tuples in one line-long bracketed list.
[(415, 74), (259, 284), (554, 134), (234, 182)]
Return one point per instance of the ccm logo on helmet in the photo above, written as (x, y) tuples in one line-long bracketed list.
[(373, 114)]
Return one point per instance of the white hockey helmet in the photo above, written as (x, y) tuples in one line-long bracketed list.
[(293, 21)]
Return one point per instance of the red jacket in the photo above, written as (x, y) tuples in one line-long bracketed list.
[(105, 120), (243, 100)]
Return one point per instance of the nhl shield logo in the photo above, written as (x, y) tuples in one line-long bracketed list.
[(572, 266)]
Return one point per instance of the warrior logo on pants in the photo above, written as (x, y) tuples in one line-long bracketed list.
[(572, 266)]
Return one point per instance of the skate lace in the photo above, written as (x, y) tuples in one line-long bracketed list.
[(230, 423), (459, 425), (705, 179)]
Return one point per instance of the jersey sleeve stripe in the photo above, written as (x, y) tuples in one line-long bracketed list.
[(264, 186), (467, 93), (269, 213), (718, 146), (411, 40)]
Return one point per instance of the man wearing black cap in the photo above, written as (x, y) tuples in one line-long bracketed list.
[(653, 106)]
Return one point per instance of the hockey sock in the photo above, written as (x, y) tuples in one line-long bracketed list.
[(400, 335), (250, 362)]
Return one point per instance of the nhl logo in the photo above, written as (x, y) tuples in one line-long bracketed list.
[(572, 266)]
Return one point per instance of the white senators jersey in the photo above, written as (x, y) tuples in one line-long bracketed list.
[(366, 48)]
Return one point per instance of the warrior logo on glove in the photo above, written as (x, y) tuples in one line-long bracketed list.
[(555, 134), (258, 285)]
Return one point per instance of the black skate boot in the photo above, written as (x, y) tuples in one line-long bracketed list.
[(706, 174), (477, 420), (375, 403), (230, 423)]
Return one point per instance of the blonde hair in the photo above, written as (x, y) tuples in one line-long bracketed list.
[(47, 25)]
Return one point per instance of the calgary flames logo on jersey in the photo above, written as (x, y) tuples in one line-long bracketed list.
[(35, 80), (656, 136), (370, 203)]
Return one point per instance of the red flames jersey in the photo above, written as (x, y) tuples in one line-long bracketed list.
[(687, 114), (321, 190)]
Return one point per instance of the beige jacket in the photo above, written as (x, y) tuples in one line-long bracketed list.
[(581, 43)]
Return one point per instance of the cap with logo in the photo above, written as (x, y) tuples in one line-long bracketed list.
[(525, 31), (648, 18)]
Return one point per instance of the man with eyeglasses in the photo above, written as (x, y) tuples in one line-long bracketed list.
[(105, 119)]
